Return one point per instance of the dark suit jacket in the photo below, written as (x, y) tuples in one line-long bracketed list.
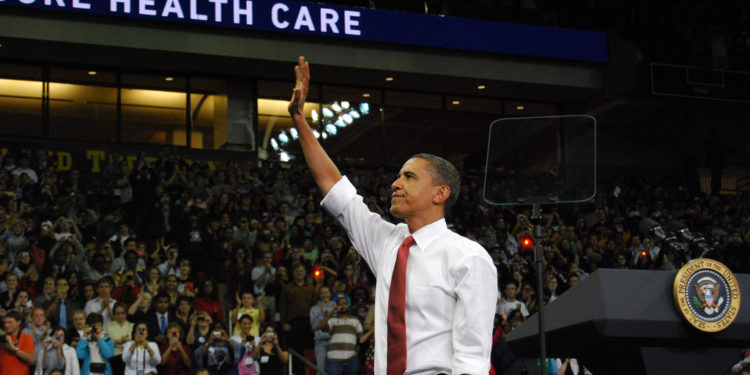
[(152, 322), (54, 317)]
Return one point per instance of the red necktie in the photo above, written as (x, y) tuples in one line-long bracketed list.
[(396, 312)]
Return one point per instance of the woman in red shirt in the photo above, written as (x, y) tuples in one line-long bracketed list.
[(175, 356), (208, 301)]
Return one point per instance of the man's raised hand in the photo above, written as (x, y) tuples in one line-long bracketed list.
[(297, 104)]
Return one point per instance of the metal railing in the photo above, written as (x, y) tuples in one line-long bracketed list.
[(304, 360)]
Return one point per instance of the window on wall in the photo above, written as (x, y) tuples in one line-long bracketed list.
[(21, 100), (83, 105), (154, 109)]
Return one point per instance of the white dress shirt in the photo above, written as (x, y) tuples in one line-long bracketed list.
[(451, 286), (95, 305), (140, 359)]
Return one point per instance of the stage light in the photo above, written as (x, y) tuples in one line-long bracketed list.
[(340, 122), (314, 115), (331, 129), (283, 138), (345, 104), (274, 145), (293, 132), (354, 113), (316, 134), (327, 112), (347, 118), (324, 135), (364, 108), (336, 107), (283, 156)]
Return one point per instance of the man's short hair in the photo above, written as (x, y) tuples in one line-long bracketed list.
[(106, 279), (443, 172), (94, 318), (14, 314), (161, 296)]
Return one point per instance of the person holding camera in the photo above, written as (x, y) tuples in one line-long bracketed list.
[(244, 346), (271, 358), (218, 352), (140, 355), (57, 355), (95, 348), (317, 313), (345, 331), (16, 348), (175, 356)]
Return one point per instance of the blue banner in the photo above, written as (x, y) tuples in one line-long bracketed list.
[(351, 23)]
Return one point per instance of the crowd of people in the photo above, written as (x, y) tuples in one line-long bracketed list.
[(165, 266)]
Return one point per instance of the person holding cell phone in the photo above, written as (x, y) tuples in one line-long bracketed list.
[(57, 355), (140, 355), (269, 354), (175, 356), (218, 352)]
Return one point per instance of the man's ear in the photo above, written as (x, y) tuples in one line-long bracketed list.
[(441, 194)]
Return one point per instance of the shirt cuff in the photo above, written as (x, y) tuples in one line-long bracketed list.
[(339, 196)]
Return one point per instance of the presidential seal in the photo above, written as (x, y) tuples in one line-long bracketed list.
[(707, 294)]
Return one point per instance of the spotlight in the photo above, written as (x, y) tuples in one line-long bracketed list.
[(331, 129), (169, 79), (327, 112), (354, 113), (345, 104), (347, 118), (293, 132), (316, 133), (340, 122), (283, 138), (336, 107), (274, 144), (324, 135), (364, 108), (283, 156), (314, 115)]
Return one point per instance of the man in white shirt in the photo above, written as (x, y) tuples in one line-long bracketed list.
[(509, 301), (104, 303), (445, 299)]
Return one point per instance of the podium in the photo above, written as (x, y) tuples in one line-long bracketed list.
[(625, 322)]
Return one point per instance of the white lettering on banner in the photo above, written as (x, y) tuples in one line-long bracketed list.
[(59, 3), (247, 12), (217, 8), (143, 7), (275, 15), (79, 4), (172, 6), (304, 19), (125, 5), (194, 12), (350, 22), (26, 1), (328, 18)]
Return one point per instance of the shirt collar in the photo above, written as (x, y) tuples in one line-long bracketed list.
[(430, 232)]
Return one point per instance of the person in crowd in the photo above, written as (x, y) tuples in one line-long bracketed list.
[(183, 314), (23, 304), (56, 354), (78, 328), (17, 352), (262, 275), (38, 328), (345, 331), (271, 357), (247, 305), (185, 283), (158, 318), (175, 356), (208, 300), (200, 329), (120, 331), (153, 282), (128, 289), (218, 352), (321, 336), (8, 297), (509, 302), (95, 348), (48, 292), (140, 355), (59, 310), (137, 311), (296, 299), (244, 345), (104, 302)]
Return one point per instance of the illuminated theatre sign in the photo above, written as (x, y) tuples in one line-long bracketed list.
[(350, 23)]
